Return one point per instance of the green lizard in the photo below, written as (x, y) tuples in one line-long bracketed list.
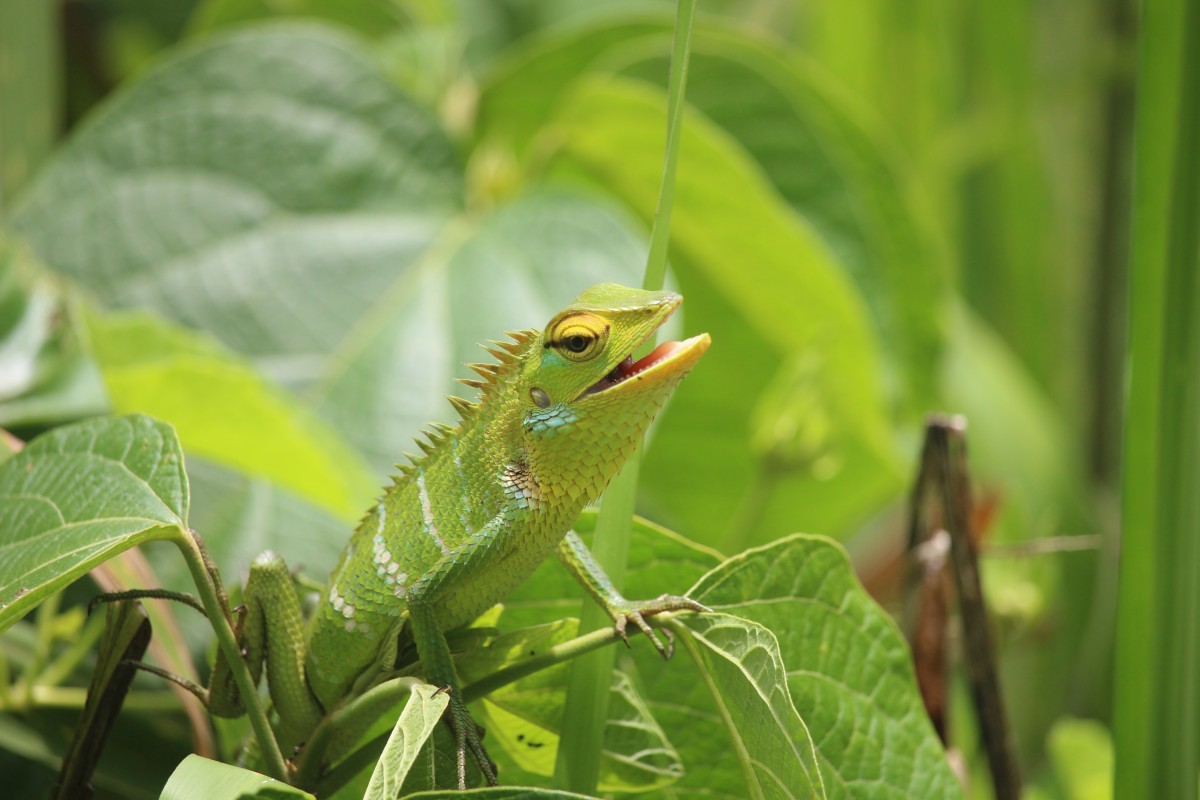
[(558, 414)]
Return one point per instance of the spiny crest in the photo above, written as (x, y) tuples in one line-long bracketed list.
[(508, 357)]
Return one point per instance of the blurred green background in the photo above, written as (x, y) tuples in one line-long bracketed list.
[(282, 225)]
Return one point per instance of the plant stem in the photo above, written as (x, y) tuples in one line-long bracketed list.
[(1157, 701), (211, 595), (586, 710)]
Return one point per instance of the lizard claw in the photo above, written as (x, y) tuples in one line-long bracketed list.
[(467, 736), (637, 612)]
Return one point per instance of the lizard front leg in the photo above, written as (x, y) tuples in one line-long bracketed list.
[(423, 598), (582, 565)]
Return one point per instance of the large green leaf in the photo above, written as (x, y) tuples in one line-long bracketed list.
[(81, 494), (367, 17), (525, 718), (249, 181), (740, 664), (770, 292), (848, 668), (224, 411), (797, 602)]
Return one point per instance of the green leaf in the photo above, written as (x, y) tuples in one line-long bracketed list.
[(45, 374), (267, 185), (79, 495), (739, 661), (198, 778), (502, 793), (1082, 754), (224, 411), (367, 17), (417, 721), (848, 669), (525, 718)]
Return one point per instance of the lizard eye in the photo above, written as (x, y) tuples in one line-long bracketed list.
[(579, 337)]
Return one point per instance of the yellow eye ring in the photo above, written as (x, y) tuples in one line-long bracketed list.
[(579, 337)]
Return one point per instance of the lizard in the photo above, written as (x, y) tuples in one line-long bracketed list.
[(559, 412)]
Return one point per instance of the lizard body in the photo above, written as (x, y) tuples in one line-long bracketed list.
[(559, 413)]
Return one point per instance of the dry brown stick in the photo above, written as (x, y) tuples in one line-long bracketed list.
[(941, 501)]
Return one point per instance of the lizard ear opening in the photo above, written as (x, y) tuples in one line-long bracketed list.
[(539, 397)]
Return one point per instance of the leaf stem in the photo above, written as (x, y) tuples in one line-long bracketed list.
[(555, 655), (656, 262), (206, 578), (577, 767), (76, 697)]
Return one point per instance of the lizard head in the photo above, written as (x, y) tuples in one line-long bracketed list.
[(587, 402)]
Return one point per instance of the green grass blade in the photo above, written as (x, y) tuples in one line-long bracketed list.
[(577, 767), (1157, 700)]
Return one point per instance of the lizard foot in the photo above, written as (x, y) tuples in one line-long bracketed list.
[(637, 611), (468, 736)]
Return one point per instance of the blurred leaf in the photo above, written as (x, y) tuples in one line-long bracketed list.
[(243, 207), (198, 778), (45, 375), (223, 411), (1082, 754), (29, 93), (848, 668), (80, 494), (371, 18), (416, 722), (785, 298), (808, 137), (1017, 440)]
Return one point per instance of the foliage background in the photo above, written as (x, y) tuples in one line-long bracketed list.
[(882, 210)]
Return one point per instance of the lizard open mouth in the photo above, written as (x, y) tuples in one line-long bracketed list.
[(666, 358)]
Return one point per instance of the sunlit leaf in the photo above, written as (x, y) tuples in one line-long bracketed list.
[(848, 669), (198, 778), (224, 411), (526, 718)]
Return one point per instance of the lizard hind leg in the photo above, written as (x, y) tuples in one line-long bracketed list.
[(271, 631)]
